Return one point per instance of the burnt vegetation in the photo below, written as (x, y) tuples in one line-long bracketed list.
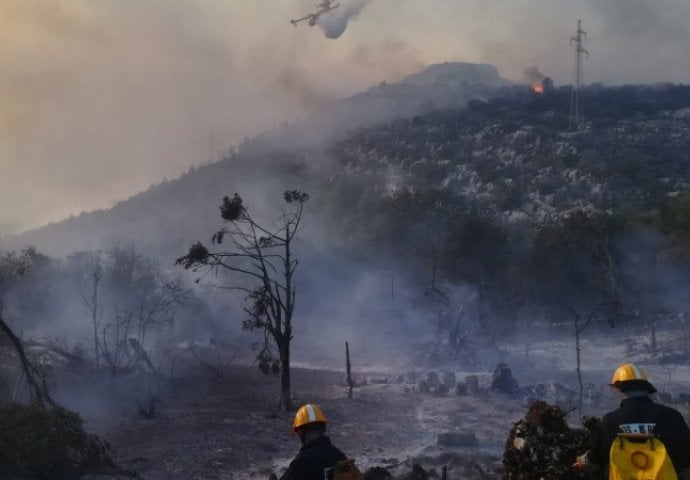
[(540, 220), (499, 223), (542, 446)]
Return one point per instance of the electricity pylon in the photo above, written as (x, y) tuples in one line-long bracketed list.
[(576, 100)]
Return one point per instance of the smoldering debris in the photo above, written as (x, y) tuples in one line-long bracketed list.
[(543, 446), (377, 473), (457, 439), (437, 466)]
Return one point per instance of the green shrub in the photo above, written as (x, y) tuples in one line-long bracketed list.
[(38, 443)]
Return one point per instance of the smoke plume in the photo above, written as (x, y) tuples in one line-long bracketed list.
[(334, 23), (532, 75)]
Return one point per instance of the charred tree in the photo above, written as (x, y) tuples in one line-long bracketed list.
[(92, 307), (42, 396), (580, 324), (348, 369), (12, 267), (449, 316), (73, 359), (652, 338), (576, 264), (144, 300), (595, 235), (218, 368), (263, 255)]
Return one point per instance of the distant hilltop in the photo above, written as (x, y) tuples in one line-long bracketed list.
[(457, 73), (441, 86)]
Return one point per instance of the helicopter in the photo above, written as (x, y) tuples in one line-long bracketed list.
[(324, 7)]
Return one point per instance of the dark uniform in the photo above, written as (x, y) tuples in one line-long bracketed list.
[(314, 461), (639, 414)]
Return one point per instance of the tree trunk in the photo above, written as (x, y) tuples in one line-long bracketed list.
[(348, 368), (393, 286), (579, 370), (94, 319), (285, 393)]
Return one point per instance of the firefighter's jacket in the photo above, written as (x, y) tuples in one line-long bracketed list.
[(314, 461), (639, 414)]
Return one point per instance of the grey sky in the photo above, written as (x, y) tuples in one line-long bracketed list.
[(103, 97)]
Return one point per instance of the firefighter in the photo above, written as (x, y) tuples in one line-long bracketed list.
[(317, 456), (643, 422)]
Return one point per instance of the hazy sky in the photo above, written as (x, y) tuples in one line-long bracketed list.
[(100, 98)]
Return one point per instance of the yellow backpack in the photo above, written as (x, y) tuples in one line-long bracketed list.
[(640, 457)]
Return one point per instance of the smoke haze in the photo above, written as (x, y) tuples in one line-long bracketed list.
[(100, 99)]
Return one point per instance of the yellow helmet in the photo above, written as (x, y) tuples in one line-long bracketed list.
[(628, 375), (308, 413)]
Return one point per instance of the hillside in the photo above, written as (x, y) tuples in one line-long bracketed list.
[(152, 219), (498, 206), (509, 155), (513, 158)]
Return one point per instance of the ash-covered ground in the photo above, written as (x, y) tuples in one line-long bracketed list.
[(212, 429), (206, 427)]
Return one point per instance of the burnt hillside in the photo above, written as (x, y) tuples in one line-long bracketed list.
[(513, 157), (507, 155), (498, 196)]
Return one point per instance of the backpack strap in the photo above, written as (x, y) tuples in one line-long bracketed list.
[(637, 438)]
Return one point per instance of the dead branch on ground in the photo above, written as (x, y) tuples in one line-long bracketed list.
[(218, 369)]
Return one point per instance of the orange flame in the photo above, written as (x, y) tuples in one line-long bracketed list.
[(538, 88)]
